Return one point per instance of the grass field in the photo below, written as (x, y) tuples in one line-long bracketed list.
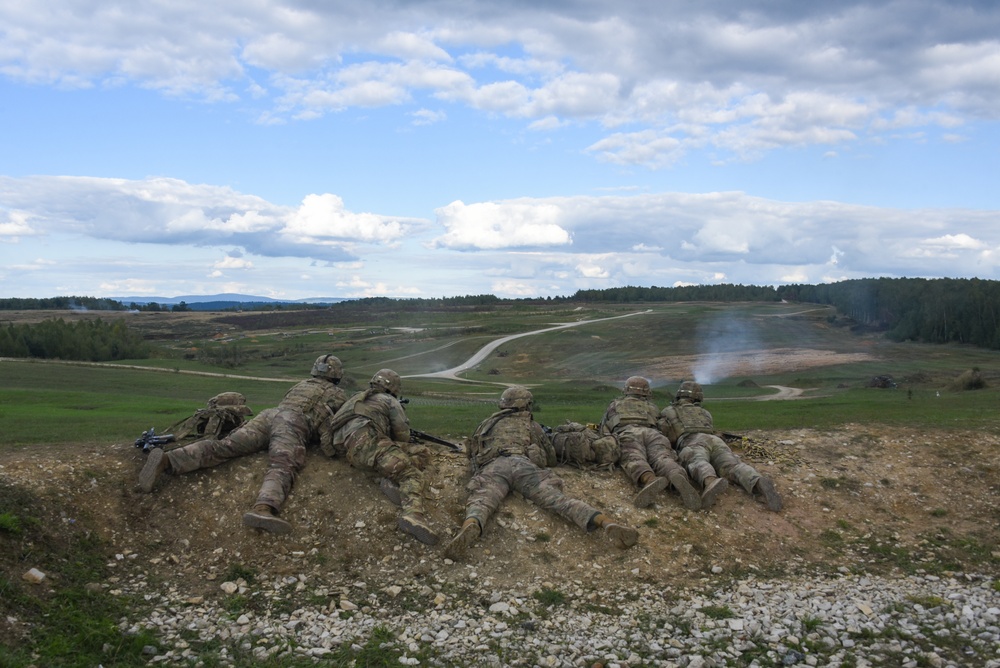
[(574, 372), (738, 351)]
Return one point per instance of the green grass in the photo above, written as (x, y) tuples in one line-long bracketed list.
[(717, 611), (549, 597), (573, 372), (70, 624)]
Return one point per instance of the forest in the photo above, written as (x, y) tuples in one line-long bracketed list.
[(939, 310), (86, 340)]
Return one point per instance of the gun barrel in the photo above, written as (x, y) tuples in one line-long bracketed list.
[(424, 436)]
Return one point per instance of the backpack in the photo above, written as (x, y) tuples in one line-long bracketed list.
[(584, 447), (225, 413)]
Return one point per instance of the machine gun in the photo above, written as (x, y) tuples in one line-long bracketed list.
[(150, 440), (416, 436)]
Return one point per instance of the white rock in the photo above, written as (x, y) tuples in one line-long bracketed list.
[(34, 576)]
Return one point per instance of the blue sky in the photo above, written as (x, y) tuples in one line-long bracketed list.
[(426, 149)]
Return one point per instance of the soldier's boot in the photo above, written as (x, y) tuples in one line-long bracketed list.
[(459, 546), (765, 487), (620, 535), (262, 516), (712, 487), (649, 487), (689, 495), (156, 464), (391, 491), (416, 525)]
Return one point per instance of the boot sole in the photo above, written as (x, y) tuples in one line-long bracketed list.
[(711, 495), (771, 496), (647, 494), (266, 522), (689, 495), (459, 546), (151, 470), (622, 536), (391, 492), (418, 531)]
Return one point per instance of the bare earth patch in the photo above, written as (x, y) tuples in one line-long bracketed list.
[(750, 362), (862, 498)]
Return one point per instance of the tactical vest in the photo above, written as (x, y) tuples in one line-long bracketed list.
[(314, 398), (580, 446), (361, 405), (686, 418), (506, 433), (629, 411)]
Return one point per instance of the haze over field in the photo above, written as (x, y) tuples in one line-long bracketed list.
[(427, 149)]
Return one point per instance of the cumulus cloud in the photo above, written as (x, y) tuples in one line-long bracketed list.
[(956, 241), (231, 262), (493, 225), (323, 217), (170, 211), (14, 224), (745, 81)]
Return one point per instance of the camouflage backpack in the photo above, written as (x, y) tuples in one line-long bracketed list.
[(226, 412), (583, 447)]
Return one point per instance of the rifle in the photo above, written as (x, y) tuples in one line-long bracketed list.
[(150, 440), (416, 436)]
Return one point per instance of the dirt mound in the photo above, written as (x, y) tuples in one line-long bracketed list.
[(858, 498)]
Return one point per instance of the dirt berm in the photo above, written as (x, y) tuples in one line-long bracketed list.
[(861, 498)]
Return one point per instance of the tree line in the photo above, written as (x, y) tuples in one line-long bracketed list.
[(938, 310), (88, 340)]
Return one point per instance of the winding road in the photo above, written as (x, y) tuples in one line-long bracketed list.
[(483, 353)]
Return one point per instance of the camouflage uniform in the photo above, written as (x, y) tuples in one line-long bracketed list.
[(703, 454), (371, 429), (511, 451), (284, 431), (633, 421), (706, 456)]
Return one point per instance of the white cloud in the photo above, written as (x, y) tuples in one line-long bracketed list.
[(323, 217), (960, 241), (493, 225), (746, 82), (647, 148), (428, 117), (410, 45), (230, 262), (359, 287), (513, 289), (592, 271), (14, 224)]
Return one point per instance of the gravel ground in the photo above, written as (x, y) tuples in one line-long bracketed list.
[(844, 620)]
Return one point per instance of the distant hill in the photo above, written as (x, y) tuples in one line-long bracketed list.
[(229, 298), (223, 301)]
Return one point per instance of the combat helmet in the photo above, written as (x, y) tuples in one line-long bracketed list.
[(517, 397), (387, 380), (691, 391), (329, 368), (637, 386)]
